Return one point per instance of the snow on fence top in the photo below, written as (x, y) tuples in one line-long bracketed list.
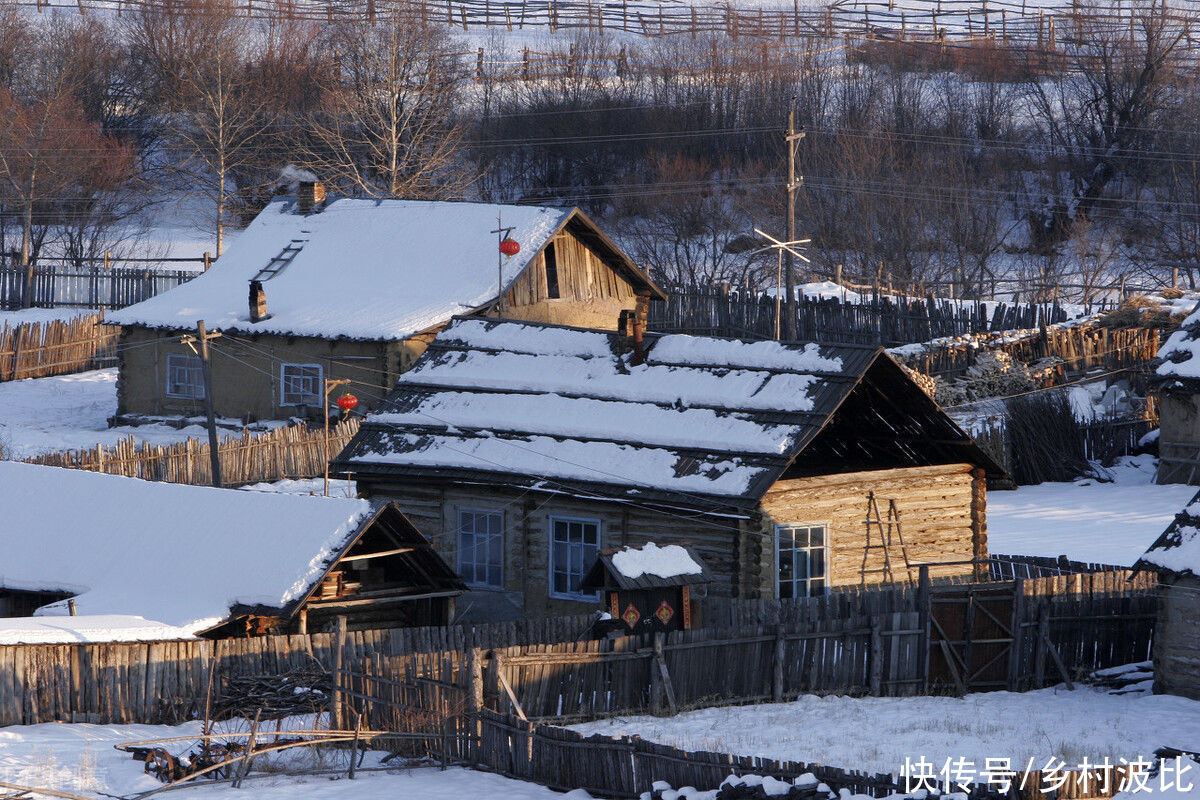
[(712, 417), (1177, 550), (179, 555), (668, 561), (364, 269), (1179, 357)]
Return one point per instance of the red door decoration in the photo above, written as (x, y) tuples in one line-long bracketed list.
[(631, 616), (665, 612)]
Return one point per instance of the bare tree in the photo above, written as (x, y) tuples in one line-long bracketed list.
[(1102, 110), (52, 159), (388, 128)]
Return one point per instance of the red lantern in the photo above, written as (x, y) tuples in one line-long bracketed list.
[(347, 401), (510, 247)]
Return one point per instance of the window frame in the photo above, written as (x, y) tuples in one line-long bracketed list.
[(587, 597), (458, 549), (550, 260), (283, 382), (193, 363), (825, 551)]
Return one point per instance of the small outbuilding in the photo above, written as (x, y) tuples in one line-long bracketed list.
[(1176, 381), (650, 589), (1175, 556), (114, 558)]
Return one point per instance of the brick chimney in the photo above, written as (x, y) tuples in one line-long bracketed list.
[(632, 330), (309, 196), (258, 302)]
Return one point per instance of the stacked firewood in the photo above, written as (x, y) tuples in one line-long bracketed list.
[(300, 691)]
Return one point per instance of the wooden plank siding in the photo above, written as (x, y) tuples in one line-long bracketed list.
[(1177, 645), (937, 514), (590, 293)]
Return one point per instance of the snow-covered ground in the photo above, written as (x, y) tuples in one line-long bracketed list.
[(1087, 520), (70, 412), (80, 759), (877, 734)]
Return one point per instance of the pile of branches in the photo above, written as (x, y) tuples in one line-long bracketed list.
[(300, 691)]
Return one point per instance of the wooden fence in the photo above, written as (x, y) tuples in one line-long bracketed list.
[(98, 287), (166, 682), (294, 451), (1083, 348), (56, 347), (879, 319)]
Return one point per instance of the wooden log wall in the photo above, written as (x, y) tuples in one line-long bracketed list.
[(56, 347), (294, 451)]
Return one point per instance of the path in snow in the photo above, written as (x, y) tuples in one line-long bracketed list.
[(1110, 523), (876, 734)]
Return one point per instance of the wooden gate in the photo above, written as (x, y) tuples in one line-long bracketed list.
[(971, 637)]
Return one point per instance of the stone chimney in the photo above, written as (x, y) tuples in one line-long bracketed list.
[(310, 195), (258, 302)]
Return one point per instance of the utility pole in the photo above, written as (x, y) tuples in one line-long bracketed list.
[(330, 385), (780, 248), (793, 136), (202, 337)]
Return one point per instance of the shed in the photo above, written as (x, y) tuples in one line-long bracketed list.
[(1175, 556), (522, 450), (1176, 381), (354, 289), (205, 562), (649, 589)]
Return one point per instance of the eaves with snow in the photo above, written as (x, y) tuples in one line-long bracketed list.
[(368, 269), (178, 556), (719, 420), (1178, 361), (1177, 550)]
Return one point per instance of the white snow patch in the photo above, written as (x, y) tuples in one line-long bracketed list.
[(1086, 520), (876, 734), (668, 561)]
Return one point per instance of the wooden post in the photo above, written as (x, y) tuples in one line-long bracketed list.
[(354, 746), (214, 452), (660, 665), (335, 701), (656, 688), (876, 658), (777, 677), (924, 606), (1043, 637), (1018, 617)]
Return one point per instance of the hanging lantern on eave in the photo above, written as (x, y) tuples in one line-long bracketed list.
[(347, 402), (510, 247)]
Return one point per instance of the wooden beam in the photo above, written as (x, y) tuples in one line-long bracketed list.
[(380, 554)]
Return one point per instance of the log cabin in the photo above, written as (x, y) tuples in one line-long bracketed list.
[(123, 555), (1175, 557), (522, 450), (354, 289)]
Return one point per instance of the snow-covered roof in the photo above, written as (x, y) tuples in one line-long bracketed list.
[(86, 630), (364, 269), (648, 566), (534, 404), (177, 555), (1179, 357), (1177, 550)]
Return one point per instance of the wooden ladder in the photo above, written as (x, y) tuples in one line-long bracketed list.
[(277, 264), (885, 530)]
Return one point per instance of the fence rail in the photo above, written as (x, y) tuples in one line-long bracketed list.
[(56, 347)]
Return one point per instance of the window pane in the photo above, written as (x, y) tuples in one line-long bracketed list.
[(785, 538), (493, 576), (801, 558), (801, 537), (817, 537), (816, 562), (816, 587), (785, 590)]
